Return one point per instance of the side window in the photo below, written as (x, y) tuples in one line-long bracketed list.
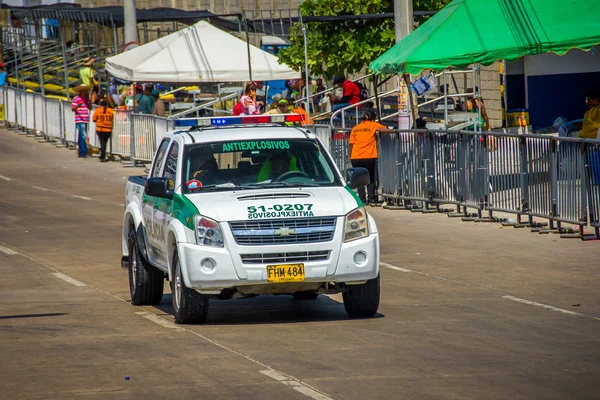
[(171, 166), (160, 157)]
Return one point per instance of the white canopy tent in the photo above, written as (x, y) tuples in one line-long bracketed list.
[(199, 53)]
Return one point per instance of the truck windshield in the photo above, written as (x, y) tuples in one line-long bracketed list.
[(255, 164)]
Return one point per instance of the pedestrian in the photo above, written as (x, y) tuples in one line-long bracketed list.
[(86, 73), (299, 109), (81, 106), (363, 153), (95, 95), (282, 108), (591, 118), (350, 94), (261, 91), (103, 117), (2, 75), (319, 88), (159, 105), (249, 104), (144, 100), (475, 105)]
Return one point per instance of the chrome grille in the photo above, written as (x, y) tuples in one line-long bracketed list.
[(283, 231), (274, 196), (282, 258)]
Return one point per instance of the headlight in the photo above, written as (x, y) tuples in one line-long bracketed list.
[(208, 232), (356, 225)]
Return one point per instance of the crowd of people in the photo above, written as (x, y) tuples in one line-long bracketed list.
[(109, 96)]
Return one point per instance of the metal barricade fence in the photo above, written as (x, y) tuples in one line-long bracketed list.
[(323, 132), (534, 175), (538, 173), (339, 150), (39, 112), (30, 111), (10, 106), (144, 129), (592, 172), (388, 165), (53, 127), (93, 138), (21, 109), (163, 125), (68, 122), (505, 174), (567, 160), (121, 137)]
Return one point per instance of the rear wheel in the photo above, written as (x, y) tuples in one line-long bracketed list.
[(306, 295), (189, 306), (146, 283), (361, 301)]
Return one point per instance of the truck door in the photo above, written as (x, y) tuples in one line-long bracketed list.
[(164, 208), (151, 203)]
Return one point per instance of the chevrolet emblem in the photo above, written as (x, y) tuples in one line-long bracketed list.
[(285, 231)]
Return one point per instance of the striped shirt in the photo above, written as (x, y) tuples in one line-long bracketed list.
[(82, 114)]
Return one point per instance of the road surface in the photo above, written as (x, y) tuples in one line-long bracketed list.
[(468, 310)]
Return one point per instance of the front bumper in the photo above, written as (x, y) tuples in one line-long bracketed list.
[(229, 271)]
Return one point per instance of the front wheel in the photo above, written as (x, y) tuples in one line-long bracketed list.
[(362, 301), (189, 306), (146, 283)]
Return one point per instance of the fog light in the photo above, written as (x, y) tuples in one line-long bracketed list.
[(360, 258), (208, 265)]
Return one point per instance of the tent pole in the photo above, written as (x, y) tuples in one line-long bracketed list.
[(479, 99), (413, 110), (376, 97), (306, 81), (445, 102), (248, 47)]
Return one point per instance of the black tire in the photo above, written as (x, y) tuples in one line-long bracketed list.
[(189, 306), (362, 301), (146, 283), (305, 295)]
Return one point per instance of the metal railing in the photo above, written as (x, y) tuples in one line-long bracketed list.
[(54, 120), (557, 179)]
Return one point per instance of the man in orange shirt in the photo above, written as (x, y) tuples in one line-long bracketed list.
[(363, 152), (103, 117)]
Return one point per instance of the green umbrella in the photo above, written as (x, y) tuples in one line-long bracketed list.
[(483, 31)]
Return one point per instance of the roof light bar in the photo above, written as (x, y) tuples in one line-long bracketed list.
[(242, 120)]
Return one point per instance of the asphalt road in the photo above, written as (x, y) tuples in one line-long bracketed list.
[(468, 310)]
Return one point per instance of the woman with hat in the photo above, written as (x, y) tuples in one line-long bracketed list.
[(86, 73)]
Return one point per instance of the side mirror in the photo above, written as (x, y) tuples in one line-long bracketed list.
[(357, 177), (158, 187)]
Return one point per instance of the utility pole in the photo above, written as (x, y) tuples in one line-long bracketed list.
[(403, 18), (403, 21), (131, 31)]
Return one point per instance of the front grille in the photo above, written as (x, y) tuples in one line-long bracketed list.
[(282, 258), (283, 231), (274, 196)]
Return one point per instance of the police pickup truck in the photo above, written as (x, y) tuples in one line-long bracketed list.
[(241, 206)]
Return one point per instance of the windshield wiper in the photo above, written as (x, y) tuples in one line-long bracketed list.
[(221, 186)]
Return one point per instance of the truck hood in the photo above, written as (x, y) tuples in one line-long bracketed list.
[(275, 203)]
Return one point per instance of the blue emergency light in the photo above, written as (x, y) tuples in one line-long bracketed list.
[(247, 119)]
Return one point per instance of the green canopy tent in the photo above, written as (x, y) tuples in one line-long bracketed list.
[(482, 31)]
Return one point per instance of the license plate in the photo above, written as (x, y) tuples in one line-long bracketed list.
[(285, 273)]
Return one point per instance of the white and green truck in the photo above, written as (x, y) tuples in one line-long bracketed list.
[(234, 210)]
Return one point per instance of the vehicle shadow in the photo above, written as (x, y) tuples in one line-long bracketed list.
[(31, 315), (269, 309)]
